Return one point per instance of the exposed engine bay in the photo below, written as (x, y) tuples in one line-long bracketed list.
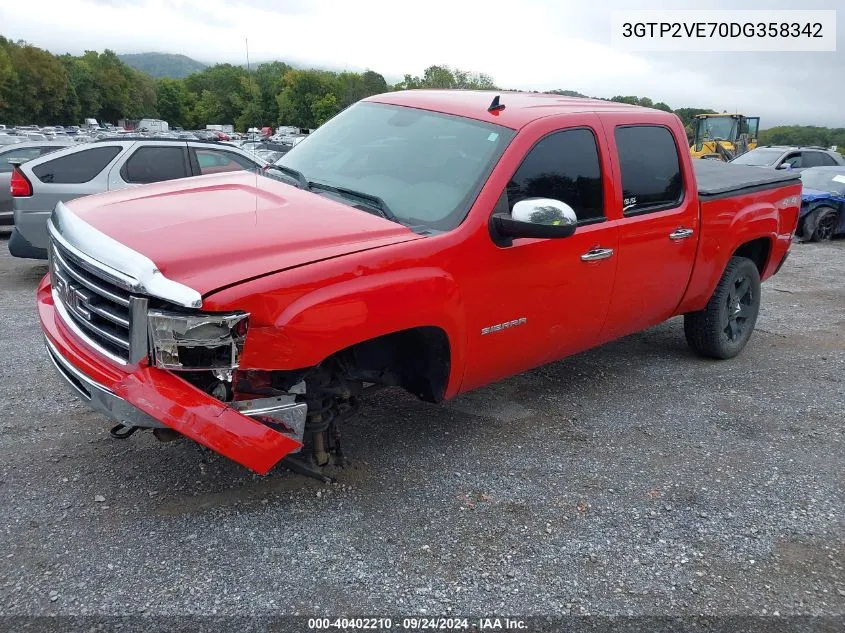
[(327, 395)]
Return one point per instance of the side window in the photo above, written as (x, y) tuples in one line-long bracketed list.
[(650, 167), (817, 159), (214, 161), (564, 166), (155, 164), (828, 160), (793, 160), (19, 156), (77, 167)]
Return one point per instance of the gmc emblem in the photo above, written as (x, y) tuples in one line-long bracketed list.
[(74, 298)]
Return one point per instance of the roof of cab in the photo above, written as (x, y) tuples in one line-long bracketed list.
[(520, 108)]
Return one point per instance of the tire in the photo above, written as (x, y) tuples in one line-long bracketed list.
[(820, 225), (724, 326)]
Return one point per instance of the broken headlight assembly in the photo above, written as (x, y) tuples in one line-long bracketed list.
[(197, 341)]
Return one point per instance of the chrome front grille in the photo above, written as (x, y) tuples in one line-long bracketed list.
[(98, 306)]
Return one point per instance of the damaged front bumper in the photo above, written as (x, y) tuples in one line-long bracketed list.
[(148, 397)]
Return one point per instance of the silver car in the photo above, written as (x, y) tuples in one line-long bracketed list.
[(108, 165), (20, 153), (794, 158)]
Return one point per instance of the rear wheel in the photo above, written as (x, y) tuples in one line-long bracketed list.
[(724, 326), (821, 225)]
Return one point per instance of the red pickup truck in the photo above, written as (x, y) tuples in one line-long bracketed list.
[(433, 240)]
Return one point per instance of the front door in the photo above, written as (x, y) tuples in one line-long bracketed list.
[(548, 297)]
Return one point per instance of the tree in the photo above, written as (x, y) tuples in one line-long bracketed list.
[(36, 90), (8, 77), (81, 79), (173, 102), (804, 135), (142, 95), (207, 109), (302, 101), (444, 77), (374, 83), (112, 80), (248, 101), (566, 93), (223, 82), (270, 78), (324, 108)]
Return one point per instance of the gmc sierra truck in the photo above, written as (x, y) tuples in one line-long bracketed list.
[(436, 241)]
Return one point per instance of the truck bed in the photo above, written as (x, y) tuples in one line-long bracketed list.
[(721, 180)]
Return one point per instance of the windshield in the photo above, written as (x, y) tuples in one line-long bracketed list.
[(759, 157), (832, 181), (717, 128), (426, 167)]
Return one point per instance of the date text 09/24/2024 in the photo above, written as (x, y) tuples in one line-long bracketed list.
[(417, 624)]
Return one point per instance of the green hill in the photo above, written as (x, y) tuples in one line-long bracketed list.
[(163, 64)]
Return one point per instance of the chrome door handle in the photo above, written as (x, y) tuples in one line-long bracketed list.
[(596, 254), (680, 234)]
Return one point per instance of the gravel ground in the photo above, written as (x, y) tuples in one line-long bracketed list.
[(632, 479)]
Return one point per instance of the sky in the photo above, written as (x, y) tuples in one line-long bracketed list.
[(530, 44)]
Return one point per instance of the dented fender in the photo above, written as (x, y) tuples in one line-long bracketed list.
[(293, 328)]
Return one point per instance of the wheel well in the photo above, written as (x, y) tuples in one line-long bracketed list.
[(757, 251), (417, 359)]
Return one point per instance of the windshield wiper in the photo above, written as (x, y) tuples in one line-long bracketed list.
[(371, 200), (301, 180)]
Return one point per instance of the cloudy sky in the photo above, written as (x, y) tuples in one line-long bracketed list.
[(530, 44)]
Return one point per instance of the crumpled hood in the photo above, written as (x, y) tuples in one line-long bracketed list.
[(213, 231), (812, 195)]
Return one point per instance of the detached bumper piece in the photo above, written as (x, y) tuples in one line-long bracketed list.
[(148, 397)]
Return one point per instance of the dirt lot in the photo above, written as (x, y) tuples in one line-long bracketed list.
[(633, 479)]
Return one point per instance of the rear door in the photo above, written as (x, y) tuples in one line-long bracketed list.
[(150, 162), (810, 158), (658, 232)]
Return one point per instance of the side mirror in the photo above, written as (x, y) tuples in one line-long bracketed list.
[(534, 217), (784, 166)]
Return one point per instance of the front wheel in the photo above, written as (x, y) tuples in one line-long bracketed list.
[(724, 326)]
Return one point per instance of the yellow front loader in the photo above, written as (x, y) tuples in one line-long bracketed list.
[(723, 136)]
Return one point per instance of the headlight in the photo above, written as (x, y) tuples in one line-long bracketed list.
[(197, 341)]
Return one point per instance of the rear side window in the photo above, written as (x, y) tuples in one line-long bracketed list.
[(817, 159), (77, 167), (563, 166), (155, 164), (650, 167), (214, 161), (19, 156)]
